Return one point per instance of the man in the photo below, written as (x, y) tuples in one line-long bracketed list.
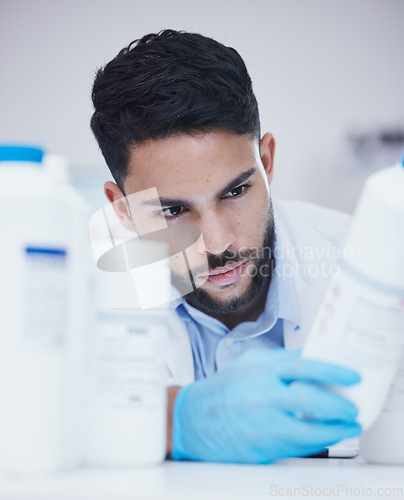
[(175, 112)]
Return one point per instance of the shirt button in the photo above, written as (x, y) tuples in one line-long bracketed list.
[(228, 342)]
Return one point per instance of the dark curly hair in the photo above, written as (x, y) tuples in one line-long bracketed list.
[(168, 83)]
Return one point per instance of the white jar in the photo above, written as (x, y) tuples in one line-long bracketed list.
[(38, 258), (126, 389), (126, 402), (360, 323)]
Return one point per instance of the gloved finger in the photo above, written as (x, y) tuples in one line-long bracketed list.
[(308, 401), (318, 372), (304, 433)]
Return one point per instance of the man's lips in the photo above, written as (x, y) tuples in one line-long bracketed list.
[(227, 274)]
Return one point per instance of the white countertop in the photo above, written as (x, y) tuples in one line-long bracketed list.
[(293, 478)]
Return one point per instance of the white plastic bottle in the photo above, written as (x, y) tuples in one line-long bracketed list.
[(360, 323), (79, 316), (126, 416), (126, 398), (37, 259)]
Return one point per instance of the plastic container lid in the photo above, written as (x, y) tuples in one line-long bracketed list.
[(20, 153)]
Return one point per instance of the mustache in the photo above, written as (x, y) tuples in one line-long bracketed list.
[(227, 257)]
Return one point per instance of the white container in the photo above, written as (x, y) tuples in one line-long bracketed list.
[(126, 399), (383, 442), (126, 413), (37, 260), (360, 323), (78, 317)]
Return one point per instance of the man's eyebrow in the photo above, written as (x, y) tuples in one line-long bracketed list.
[(176, 202), (237, 181), (164, 202)]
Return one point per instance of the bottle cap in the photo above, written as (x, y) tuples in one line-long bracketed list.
[(17, 152)]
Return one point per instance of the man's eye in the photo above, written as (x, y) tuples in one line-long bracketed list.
[(236, 191), (172, 211), (239, 191)]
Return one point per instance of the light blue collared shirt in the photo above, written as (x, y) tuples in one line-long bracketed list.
[(214, 345)]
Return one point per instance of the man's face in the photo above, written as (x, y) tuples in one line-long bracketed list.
[(218, 182)]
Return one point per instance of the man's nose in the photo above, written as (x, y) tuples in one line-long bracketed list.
[(217, 235)]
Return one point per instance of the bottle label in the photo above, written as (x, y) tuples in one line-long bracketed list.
[(358, 325), (45, 298), (129, 367)]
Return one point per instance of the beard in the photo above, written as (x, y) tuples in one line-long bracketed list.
[(258, 259)]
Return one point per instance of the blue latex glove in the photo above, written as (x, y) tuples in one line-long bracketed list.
[(266, 405)]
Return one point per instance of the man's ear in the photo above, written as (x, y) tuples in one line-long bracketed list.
[(118, 201), (267, 153)]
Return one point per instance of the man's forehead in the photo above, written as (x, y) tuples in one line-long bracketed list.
[(181, 163)]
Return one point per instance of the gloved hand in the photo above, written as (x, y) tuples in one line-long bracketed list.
[(266, 405)]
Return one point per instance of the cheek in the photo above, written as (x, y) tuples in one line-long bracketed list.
[(251, 215), (177, 264), (145, 225), (189, 261), (250, 229)]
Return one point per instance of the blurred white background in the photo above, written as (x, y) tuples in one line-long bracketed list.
[(328, 75)]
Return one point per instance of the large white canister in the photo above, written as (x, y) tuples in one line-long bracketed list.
[(41, 284), (360, 323), (79, 313)]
